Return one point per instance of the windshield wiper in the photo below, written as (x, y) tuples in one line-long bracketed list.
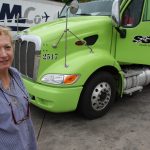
[(83, 14), (77, 15), (61, 16)]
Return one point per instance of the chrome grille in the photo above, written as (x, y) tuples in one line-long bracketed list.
[(27, 53)]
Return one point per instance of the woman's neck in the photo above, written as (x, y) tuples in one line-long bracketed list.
[(5, 78)]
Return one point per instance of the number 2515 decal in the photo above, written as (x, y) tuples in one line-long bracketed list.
[(50, 56)]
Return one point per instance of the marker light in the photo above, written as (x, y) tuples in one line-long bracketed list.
[(70, 79), (60, 78)]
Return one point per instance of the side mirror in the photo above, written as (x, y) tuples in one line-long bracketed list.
[(74, 6), (115, 14)]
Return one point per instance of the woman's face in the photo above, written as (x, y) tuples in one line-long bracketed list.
[(6, 52)]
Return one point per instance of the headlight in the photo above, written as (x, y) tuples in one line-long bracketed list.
[(60, 78)]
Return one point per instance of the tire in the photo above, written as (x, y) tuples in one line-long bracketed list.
[(98, 95)]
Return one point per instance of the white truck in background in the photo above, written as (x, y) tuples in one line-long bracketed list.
[(21, 14)]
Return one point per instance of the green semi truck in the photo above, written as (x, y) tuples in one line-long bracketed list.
[(94, 52)]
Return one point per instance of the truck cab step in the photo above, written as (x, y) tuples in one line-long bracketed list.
[(134, 89)]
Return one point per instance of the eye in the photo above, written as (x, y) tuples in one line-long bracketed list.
[(8, 47)]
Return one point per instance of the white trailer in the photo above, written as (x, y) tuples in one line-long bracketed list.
[(21, 14)]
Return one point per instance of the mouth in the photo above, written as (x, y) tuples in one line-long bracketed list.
[(4, 61)]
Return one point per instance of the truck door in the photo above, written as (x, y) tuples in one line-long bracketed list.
[(135, 48)]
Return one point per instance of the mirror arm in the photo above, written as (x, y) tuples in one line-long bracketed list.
[(122, 32), (67, 1), (58, 14)]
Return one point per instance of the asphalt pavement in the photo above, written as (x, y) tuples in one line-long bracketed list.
[(125, 127)]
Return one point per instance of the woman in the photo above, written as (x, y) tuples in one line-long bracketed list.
[(16, 129)]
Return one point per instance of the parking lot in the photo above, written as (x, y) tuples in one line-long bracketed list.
[(125, 127)]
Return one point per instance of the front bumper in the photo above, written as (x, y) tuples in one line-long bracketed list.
[(53, 99)]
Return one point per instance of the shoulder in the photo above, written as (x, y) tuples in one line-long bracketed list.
[(16, 75), (14, 72)]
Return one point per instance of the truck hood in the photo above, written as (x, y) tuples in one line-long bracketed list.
[(98, 28), (78, 25)]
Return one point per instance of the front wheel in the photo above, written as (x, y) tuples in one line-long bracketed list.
[(98, 95)]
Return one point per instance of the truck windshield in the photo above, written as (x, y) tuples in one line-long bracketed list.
[(90, 8)]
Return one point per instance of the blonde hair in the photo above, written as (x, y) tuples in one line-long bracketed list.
[(6, 31)]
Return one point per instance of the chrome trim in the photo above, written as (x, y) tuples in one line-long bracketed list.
[(36, 41)]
